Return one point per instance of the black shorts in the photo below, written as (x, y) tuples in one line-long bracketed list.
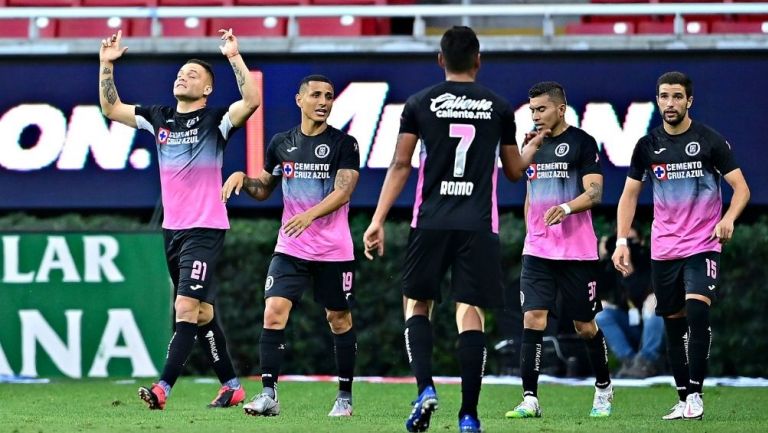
[(332, 282), (192, 255), (473, 256), (575, 280), (673, 279)]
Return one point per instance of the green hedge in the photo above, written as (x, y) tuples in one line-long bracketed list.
[(738, 317)]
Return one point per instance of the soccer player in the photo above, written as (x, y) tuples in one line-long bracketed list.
[(685, 161), (190, 142), (319, 166), (560, 250), (463, 128)]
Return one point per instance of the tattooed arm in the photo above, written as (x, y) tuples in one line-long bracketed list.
[(240, 111), (111, 106), (591, 197), (346, 180), (259, 188)]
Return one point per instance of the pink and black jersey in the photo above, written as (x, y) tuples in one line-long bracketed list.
[(190, 148), (308, 166), (555, 177), (687, 204), (461, 125)]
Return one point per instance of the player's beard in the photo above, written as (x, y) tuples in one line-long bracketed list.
[(679, 117)]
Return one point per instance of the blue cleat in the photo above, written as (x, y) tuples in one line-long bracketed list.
[(468, 424), (423, 407)]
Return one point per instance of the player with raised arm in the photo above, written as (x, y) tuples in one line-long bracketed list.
[(190, 139), (560, 251), (685, 161), (318, 167), (464, 128)]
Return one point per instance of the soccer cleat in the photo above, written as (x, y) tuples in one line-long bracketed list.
[(602, 404), (676, 412), (228, 397), (469, 424), (341, 407), (154, 397), (423, 407), (262, 405), (694, 406), (529, 408)]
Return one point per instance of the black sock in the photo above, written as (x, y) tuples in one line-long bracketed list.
[(271, 349), (178, 351), (598, 356), (214, 343), (345, 349), (530, 360), (699, 341), (418, 345), (472, 357), (677, 340)]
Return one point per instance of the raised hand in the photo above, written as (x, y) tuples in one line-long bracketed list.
[(230, 47), (110, 48)]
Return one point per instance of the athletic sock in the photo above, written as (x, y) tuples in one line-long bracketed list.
[(271, 349), (345, 350), (699, 341), (598, 356), (214, 343), (418, 345), (530, 360), (178, 351), (472, 356), (677, 340)]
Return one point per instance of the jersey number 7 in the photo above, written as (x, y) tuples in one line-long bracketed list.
[(466, 135)]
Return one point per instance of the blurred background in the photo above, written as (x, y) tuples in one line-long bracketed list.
[(84, 291)]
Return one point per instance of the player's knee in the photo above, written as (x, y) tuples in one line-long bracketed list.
[(535, 319), (339, 321), (205, 314), (187, 309), (585, 330), (276, 312)]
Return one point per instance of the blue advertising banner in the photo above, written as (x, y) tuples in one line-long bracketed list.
[(58, 152)]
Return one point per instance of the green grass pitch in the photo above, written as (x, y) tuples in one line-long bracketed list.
[(104, 406)]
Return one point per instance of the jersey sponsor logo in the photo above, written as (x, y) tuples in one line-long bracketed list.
[(288, 169), (680, 170), (692, 148), (449, 105), (268, 284), (456, 188), (549, 170), (162, 135), (183, 137), (658, 152), (307, 170), (531, 172), (170, 121), (291, 149), (192, 121), (322, 151), (562, 149)]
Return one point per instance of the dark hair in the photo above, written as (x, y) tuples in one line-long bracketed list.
[(675, 77), (552, 89), (207, 66), (460, 48), (314, 77)]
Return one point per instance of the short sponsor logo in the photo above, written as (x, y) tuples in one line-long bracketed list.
[(196, 287), (322, 151), (562, 149), (162, 135), (522, 298), (692, 148), (712, 287), (268, 284)]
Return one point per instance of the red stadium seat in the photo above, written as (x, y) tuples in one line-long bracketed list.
[(668, 27), (731, 27), (619, 28), (270, 2), (119, 3), (90, 27), (184, 27), (330, 26), (256, 26), (195, 3), (348, 2), (14, 28)]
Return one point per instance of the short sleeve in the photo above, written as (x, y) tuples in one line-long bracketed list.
[(149, 118), (589, 158), (639, 164), (508, 126), (350, 154), (408, 120), (271, 160), (722, 156)]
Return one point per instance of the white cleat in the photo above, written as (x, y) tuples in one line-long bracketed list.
[(341, 407), (676, 412), (262, 405), (694, 406), (602, 403)]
